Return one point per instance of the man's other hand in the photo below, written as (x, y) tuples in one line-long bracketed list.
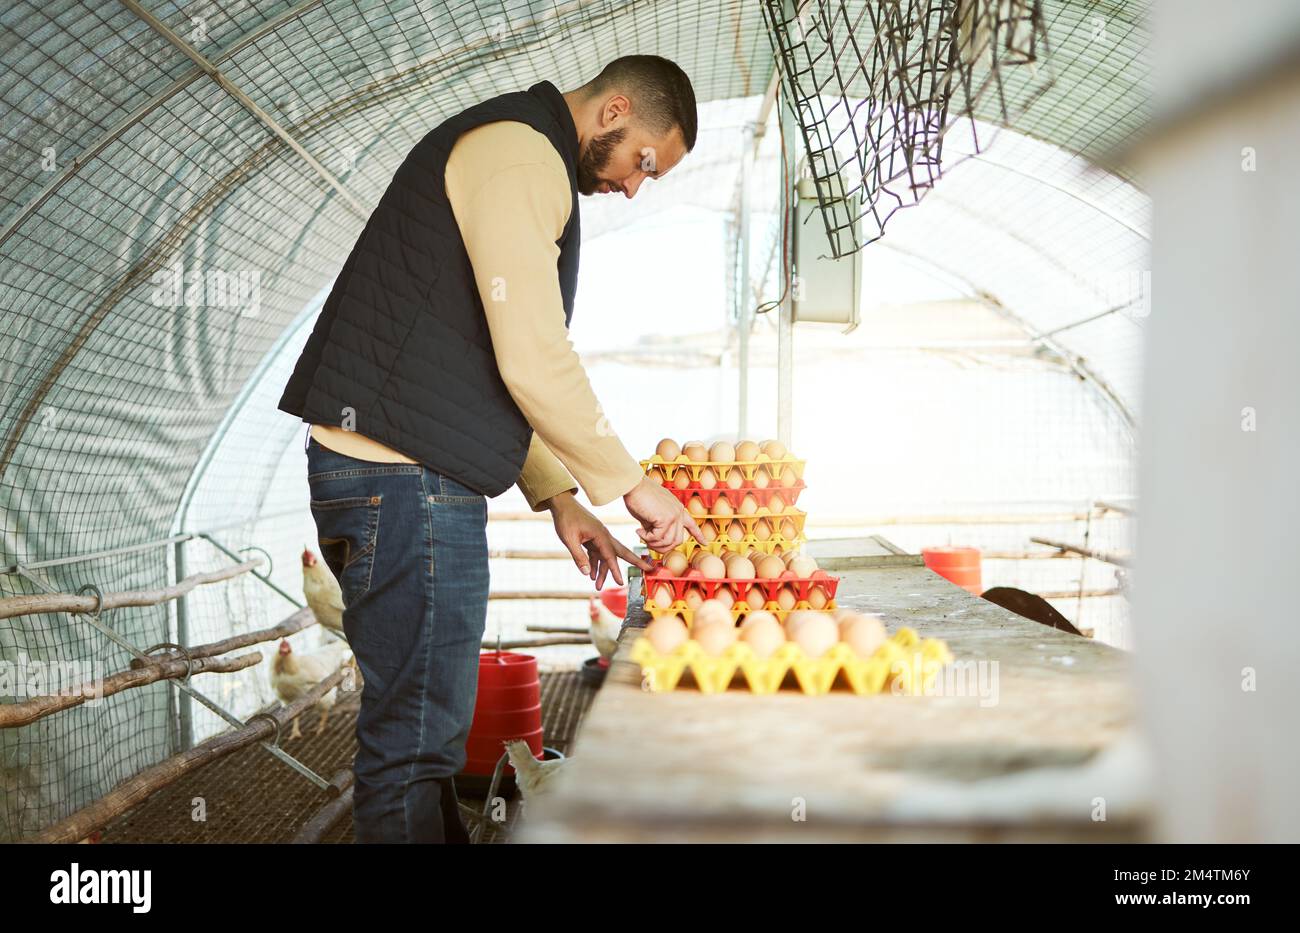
[(664, 521), (594, 550)]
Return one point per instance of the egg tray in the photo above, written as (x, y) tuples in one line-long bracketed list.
[(773, 545), (740, 587), (748, 522), (747, 468), (905, 664), (738, 611), (763, 496)]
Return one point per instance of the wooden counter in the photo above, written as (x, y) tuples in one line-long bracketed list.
[(1013, 757)]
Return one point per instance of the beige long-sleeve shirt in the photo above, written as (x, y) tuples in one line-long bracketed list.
[(509, 191)]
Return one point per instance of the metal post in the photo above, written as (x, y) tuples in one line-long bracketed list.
[(743, 310), (186, 711), (785, 326)]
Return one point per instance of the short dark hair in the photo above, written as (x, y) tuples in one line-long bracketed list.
[(661, 94)]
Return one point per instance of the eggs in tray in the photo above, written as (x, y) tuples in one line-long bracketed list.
[(813, 649), (679, 585), (730, 472)]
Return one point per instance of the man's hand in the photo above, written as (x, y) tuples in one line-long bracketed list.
[(664, 522), (594, 549)]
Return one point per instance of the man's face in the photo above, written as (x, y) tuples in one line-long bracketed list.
[(622, 157)]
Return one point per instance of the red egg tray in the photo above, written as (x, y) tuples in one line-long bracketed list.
[(740, 587), (736, 496)]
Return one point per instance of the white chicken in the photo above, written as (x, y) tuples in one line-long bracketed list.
[(322, 593), (605, 628), (532, 777), (293, 675)]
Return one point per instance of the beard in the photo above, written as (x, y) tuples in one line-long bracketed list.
[(595, 157)]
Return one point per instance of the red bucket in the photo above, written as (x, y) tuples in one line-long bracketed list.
[(509, 706), (961, 565)]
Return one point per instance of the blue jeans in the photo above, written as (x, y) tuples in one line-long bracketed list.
[(409, 548)]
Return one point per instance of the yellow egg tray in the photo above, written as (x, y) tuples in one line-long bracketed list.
[(776, 544), (738, 612), (747, 468), (796, 517), (905, 664)]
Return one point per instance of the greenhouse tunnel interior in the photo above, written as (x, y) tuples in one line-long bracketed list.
[(130, 414)]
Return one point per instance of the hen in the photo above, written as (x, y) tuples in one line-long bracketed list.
[(293, 675), (605, 628), (532, 777), (322, 593)]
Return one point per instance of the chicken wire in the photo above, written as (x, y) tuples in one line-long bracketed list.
[(164, 253)]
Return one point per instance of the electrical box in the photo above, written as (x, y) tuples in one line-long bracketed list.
[(826, 290)]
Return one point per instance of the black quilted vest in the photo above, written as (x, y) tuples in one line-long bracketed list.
[(402, 339)]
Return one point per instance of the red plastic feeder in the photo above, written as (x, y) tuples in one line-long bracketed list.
[(509, 706), (961, 565)]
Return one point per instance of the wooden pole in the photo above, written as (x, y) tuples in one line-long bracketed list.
[(13, 715), (303, 618), (66, 602), (539, 642), (134, 790)]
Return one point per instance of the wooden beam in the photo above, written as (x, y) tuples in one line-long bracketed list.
[(65, 602), (134, 790)]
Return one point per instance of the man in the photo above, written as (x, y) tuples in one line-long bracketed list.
[(440, 373)]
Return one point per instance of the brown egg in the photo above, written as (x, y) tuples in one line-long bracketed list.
[(663, 595), (746, 451), (762, 529), (788, 478), (695, 451), (676, 563), (774, 449), (725, 596), (803, 566), (708, 479), (722, 452), (785, 598), (817, 598), (796, 619), (755, 598), (863, 633), (712, 567), (762, 633), (656, 474), (748, 505), (735, 478), (755, 617), (722, 508), (776, 505), (789, 530), (695, 505), (762, 478), (711, 612), (694, 598), (668, 449), (817, 634), (735, 530), (682, 478), (715, 639), (769, 568), (708, 532), (740, 568), (666, 633)]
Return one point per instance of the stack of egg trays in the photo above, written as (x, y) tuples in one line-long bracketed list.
[(738, 611), (905, 663), (739, 587)]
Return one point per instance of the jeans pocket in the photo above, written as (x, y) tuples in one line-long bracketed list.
[(347, 530), (451, 490)]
